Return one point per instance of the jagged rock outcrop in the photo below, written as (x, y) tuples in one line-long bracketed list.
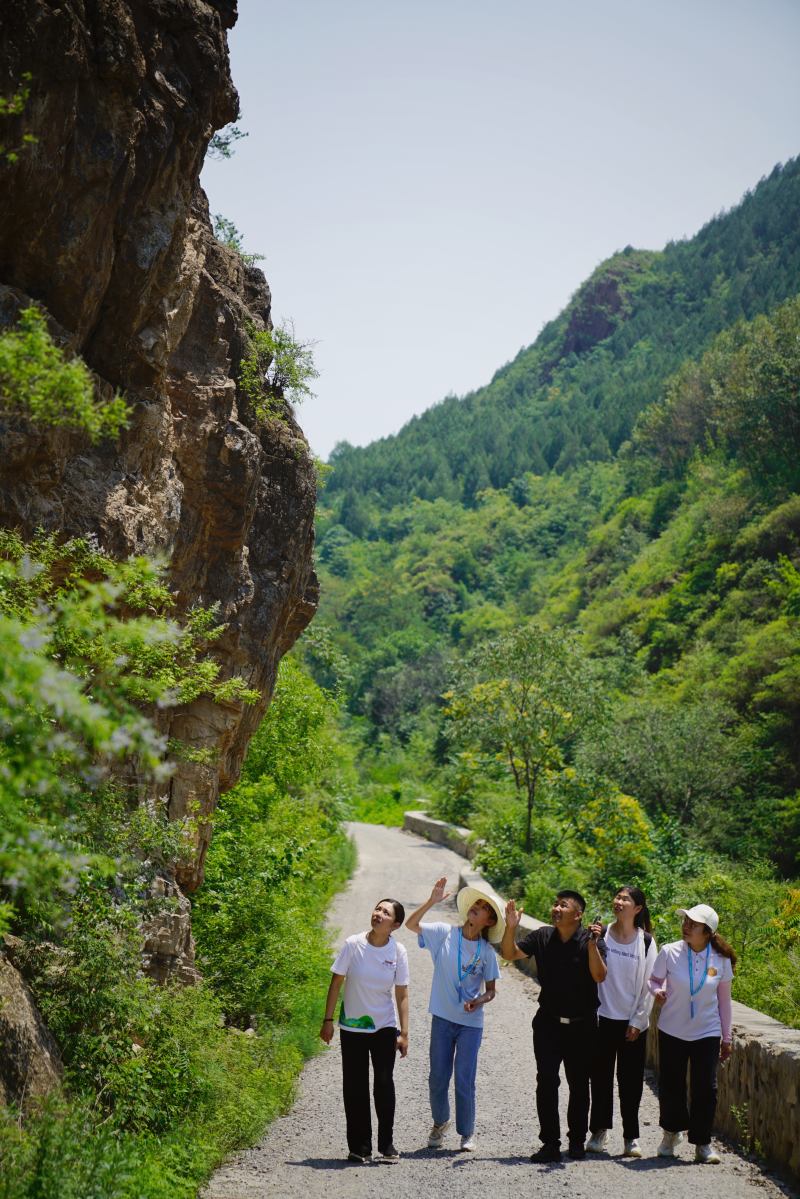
[(30, 1066), (603, 301), (104, 225)]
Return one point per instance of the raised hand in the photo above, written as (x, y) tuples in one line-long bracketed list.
[(513, 914), (438, 894)]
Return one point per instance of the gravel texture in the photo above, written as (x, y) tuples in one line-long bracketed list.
[(303, 1153)]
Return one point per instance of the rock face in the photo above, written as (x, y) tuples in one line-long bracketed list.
[(602, 303), (103, 224), (29, 1063), (168, 948)]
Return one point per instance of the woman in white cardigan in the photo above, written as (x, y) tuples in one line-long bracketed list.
[(623, 1018)]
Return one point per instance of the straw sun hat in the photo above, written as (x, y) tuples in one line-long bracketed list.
[(467, 897)]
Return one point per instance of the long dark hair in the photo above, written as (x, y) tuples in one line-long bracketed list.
[(641, 919), (721, 946), (399, 910)]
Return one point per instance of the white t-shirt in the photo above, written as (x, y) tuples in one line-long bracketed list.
[(676, 1017), (371, 973), (623, 993)]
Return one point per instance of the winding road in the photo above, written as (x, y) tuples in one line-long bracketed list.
[(303, 1153)]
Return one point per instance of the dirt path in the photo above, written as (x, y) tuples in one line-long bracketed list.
[(302, 1154)]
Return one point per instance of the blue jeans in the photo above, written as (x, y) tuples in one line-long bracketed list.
[(461, 1043)]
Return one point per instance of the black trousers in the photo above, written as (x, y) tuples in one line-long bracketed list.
[(611, 1049), (674, 1055), (572, 1044), (357, 1049)]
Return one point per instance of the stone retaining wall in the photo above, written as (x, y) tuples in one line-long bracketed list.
[(460, 840), (759, 1088)]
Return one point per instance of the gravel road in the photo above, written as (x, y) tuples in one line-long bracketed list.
[(302, 1154)]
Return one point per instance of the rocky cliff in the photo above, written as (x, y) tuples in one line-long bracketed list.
[(104, 225)]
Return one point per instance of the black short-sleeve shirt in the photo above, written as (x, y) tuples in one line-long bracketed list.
[(568, 988)]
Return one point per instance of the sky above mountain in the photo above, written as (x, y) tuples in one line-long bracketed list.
[(430, 181)]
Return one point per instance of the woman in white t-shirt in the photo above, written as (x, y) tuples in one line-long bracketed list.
[(623, 1017), (691, 982), (374, 969)]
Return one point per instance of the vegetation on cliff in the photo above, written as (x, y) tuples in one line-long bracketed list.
[(160, 1081)]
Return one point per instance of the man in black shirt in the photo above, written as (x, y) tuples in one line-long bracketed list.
[(569, 965)]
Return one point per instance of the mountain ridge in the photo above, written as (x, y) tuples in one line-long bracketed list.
[(574, 394)]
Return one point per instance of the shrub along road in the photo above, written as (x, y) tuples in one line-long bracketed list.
[(303, 1153)]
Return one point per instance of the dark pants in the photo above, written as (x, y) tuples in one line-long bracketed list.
[(674, 1055), (611, 1049), (572, 1044), (357, 1049)]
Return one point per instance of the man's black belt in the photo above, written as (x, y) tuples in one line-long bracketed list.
[(565, 1019)]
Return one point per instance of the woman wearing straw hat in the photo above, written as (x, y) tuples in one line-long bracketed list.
[(691, 982), (374, 969), (464, 972)]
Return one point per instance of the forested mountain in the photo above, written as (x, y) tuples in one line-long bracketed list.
[(574, 395), (630, 482)]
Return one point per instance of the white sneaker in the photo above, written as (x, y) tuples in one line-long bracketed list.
[(706, 1155), (436, 1135), (632, 1148), (597, 1141), (669, 1144), (468, 1143)]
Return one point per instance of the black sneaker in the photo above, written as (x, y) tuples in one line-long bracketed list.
[(389, 1154), (576, 1150), (547, 1153), (360, 1158)]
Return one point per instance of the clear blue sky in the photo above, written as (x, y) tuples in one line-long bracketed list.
[(430, 180)]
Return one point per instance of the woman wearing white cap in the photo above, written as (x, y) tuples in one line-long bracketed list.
[(691, 981), (464, 972)]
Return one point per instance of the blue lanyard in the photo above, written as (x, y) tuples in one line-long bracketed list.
[(694, 990), (471, 967)]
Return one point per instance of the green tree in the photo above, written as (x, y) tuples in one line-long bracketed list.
[(278, 367), (222, 142), (676, 758), (226, 232), (520, 701), (10, 107), (38, 382)]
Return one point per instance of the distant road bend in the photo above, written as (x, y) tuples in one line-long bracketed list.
[(302, 1155)]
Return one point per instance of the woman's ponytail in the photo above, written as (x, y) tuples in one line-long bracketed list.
[(721, 946)]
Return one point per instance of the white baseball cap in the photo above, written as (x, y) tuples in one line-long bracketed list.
[(701, 913)]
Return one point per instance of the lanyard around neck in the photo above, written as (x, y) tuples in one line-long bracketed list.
[(475, 957), (694, 990)]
